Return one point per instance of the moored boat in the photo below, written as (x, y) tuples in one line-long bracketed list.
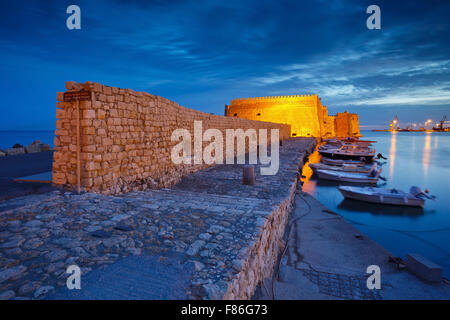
[(385, 195), (353, 177), (348, 141), (344, 167), (349, 152), (341, 162)]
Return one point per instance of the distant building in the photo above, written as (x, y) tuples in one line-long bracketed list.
[(305, 113)]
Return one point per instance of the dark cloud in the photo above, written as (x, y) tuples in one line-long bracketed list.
[(204, 53)]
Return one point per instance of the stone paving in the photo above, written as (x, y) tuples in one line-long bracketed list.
[(326, 258), (209, 219)]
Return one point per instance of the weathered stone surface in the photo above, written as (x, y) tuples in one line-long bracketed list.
[(42, 291), (12, 273), (33, 224), (195, 247), (127, 141), (205, 236), (56, 255), (213, 291), (212, 218), (120, 217), (237, 264), (7, 295), (29, 287), (198, 265), (33, 243)]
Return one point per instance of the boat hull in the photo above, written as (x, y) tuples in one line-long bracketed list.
[(346, 177), (343, 156), (341, 162), (345, 168), (383, 199)]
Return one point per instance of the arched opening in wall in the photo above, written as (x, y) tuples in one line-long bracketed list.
[(308, 134), (258, 114), (294, 134), (235, 115)]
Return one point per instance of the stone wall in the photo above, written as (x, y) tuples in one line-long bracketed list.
[(354, 125), (346, 125), (125, 138)]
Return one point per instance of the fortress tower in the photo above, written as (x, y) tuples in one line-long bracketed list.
[(305, 113)]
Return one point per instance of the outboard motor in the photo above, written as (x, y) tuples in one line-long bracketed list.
[(418, 193)]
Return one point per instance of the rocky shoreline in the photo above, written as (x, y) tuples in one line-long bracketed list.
[(35, 146)]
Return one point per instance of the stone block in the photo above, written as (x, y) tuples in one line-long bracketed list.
[(60, 113), (60, 96), (101, 114), (89, 114), (98, 87), (423, 268), (72, 85)]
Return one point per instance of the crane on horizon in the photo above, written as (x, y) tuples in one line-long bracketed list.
[(393, 124), (440, 126)]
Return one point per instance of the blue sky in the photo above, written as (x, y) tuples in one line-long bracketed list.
[(204, 53)]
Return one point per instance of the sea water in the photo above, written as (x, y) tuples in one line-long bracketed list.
[(414, 158)]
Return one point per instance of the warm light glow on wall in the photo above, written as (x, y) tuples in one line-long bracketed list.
[(305, 113)]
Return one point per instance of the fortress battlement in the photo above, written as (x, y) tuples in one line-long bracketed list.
[(305, 113), (272, 99)]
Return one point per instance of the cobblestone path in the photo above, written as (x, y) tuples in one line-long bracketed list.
[(209, 220)]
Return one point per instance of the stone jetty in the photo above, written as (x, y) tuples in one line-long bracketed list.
[(230, 233)]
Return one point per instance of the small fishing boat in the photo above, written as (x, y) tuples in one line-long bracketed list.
[(341, 162), (353, 177), (344, 167), (415, 197), (361, 143), (349, 141), (349, 152)]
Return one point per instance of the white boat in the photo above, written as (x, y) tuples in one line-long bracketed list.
[(341, 162), (385, 196), (345, 167), (354, 177)]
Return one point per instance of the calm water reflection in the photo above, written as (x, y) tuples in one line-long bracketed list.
[(420, 159)]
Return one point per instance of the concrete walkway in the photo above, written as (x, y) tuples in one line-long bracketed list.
[(327, 258)]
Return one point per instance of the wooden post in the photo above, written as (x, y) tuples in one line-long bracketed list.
[(248, 175), (78, 148), (76, 96)]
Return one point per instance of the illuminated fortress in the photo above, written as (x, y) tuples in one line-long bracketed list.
[(305, 113)]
